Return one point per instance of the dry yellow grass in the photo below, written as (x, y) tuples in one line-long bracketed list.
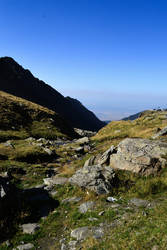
[(144, 127)]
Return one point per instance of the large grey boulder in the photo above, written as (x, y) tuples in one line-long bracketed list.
[(96, 178), (139, 156)]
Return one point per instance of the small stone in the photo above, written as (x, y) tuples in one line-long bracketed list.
[(98, 232), (111, 199), (30, 228), (80, 233), (63, 247), (139, 202), (92, 219), (48, 151), (101, 213), (53, 193), (72, 243), (25, 246), (72, 199), (55, 181), (7, 243), (155, 247), (79, 150), (83, 208)]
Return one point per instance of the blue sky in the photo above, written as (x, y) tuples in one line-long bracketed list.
[(109, 54)]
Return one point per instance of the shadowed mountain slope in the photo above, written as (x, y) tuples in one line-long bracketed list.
[(20, 118), (15, 80)]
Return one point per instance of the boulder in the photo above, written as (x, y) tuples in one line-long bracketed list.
[(96, 178), (139, 156)]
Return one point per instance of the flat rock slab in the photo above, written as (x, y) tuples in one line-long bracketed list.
[(82, 233), (82, 141), (96, 178), (72, 200), (55, 181), (139, 156), (84, 207), (30, 228), (27, 246), (139, 202)]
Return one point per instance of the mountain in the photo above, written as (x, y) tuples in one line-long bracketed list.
[(16, 80), (133, 117)]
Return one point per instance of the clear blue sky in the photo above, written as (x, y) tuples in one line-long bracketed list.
[(109, 54)]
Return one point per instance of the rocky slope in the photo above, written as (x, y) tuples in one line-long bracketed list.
[(20, 82), (102, 192)]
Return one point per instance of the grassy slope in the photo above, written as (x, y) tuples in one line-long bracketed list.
[(20, 119), (143, 127)]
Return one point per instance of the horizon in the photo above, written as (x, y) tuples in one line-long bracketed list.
[(110, 55)]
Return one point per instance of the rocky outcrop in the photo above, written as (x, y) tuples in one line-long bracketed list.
[(103, 159), (139, 156), (160, 133), (84, 133), (96, 178)]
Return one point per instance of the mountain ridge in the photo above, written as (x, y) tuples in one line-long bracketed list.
[(16, 80)]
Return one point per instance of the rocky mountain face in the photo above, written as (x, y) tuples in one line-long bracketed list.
[(20, 82)]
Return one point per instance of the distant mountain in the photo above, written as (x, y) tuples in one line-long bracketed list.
[(133, 117), (18, 81), (107, 121)]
